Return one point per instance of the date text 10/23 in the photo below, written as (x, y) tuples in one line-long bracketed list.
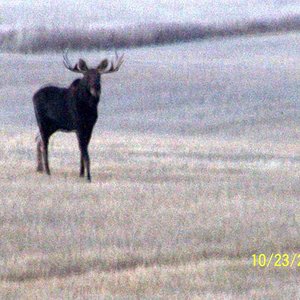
[(276, 260)]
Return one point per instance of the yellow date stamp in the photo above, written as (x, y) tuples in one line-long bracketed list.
[(276, 260)]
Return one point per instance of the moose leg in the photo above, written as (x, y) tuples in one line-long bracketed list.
[(46, 142), (81, 166), (86, 159), (84, 139), (40, 166), (45, 137)]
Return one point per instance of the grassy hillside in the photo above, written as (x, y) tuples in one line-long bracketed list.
[(195, 167)]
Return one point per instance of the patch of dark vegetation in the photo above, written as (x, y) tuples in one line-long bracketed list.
[(60, 269), (51, 268), (42, 39)]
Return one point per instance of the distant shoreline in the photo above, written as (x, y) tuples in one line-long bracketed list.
[(43, 39)]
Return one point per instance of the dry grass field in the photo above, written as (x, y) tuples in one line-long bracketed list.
[(195, 165)]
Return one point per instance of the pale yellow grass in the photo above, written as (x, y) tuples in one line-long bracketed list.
[(163, 217)]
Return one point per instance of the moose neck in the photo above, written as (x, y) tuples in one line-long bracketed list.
[(88, 94)]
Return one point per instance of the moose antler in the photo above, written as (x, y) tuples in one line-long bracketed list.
[(104, 67), (113, 66), (80, 67)]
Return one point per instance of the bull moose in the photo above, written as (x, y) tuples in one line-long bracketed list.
[(71, 109)]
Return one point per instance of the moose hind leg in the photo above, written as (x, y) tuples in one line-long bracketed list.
[(46, 157), (40, 166), (87, 164), (45, 138)]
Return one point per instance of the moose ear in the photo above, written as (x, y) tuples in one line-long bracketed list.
[(103, 65), (82, 66)]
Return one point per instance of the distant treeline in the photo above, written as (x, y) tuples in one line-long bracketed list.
[(42, 39)]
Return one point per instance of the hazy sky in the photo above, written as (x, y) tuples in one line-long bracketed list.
[(107, 12)]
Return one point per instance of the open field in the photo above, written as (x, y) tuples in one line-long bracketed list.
[(195, 164)]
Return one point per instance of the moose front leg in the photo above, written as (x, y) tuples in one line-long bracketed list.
[(81, 174), (84, 137), (86, 159)]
